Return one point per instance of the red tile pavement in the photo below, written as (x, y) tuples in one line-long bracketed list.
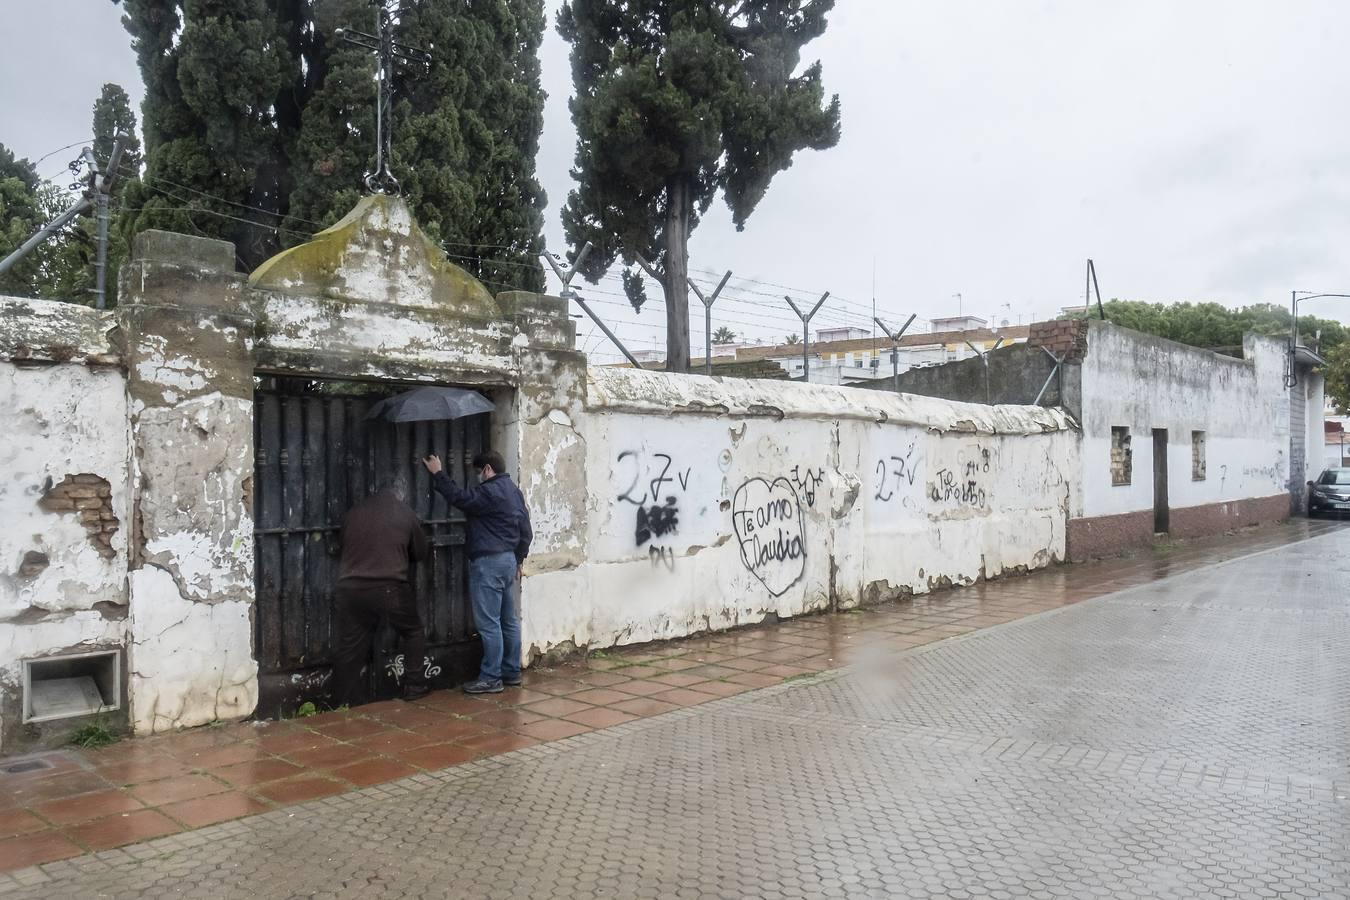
[(34, 849), (143, 788), (83, 807), (298, 790), (124, 828), (216, 808)]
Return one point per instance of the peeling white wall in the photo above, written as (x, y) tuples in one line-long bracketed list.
[(714, 502), (59, 420), (173, 684), (61, 417), (1143, 382)]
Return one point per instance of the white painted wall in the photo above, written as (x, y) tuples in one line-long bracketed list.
[(1316, 438), (59, 419), (1144, 383), (714, 502), (1334, 443)]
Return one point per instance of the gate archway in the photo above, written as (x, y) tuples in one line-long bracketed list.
[(316, 455)]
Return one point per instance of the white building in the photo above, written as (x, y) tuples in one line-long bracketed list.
[(866, 358)]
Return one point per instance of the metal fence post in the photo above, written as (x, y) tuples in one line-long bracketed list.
[(895, 346), (707, 318), (566, 276), (806, 332), (985, 360)]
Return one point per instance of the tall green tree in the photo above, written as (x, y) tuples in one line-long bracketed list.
[(22, 212), (676, 100), (1338, 377), (70, 270), (114, 118), (218, 78), (1218, 327), (258, 103)]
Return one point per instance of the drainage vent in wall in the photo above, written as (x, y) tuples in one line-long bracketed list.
[(65, 687)]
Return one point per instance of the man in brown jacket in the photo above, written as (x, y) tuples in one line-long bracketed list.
[(380, 535)]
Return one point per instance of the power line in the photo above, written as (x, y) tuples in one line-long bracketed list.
[(47, 156), (829, 315), (320, 225), (766, 316)]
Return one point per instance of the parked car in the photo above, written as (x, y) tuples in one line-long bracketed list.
[(1330, 493)]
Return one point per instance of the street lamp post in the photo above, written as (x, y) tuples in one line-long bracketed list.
[(1294, 301)]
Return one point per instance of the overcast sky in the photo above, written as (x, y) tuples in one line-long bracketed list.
[(1196, 150)]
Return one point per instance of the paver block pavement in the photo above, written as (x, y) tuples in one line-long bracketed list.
[(1185, 738)]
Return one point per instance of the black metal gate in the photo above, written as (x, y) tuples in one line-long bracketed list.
[(316, 457)]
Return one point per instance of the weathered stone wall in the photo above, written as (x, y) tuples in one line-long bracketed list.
[(64, 498), (711, 503), (189, 335)]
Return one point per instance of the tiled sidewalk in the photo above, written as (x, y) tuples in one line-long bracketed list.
[(140, 789)]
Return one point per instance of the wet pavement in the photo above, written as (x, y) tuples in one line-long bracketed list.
[(1188, 735)]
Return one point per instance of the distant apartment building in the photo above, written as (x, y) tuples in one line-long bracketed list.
[(853, 355)]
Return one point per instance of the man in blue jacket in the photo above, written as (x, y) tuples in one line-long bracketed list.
[(499, 541)]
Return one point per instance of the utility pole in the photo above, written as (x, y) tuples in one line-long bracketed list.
[(806, 332), (566, 276), (103, 181), (382, 180), (1091, 285), (97, 193), (895, 345)]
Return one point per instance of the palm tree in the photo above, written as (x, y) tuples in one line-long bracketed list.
[(794, 338), (723, 335)]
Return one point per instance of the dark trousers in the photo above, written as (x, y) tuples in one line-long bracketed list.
[(361, 606)]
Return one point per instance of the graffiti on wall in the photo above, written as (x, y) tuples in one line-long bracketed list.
[(806, 482), (768, 521), (894, 475), (965, 483), (654, 485)]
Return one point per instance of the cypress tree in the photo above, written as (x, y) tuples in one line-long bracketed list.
[(70, 270), (261, 104), (676, 100)]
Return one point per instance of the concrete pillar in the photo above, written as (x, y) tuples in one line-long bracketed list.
[(188, 336)]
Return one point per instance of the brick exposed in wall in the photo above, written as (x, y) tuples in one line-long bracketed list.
[(1066, 338), (1121, 455), (90, 498)]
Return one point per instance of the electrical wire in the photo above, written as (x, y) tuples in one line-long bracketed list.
[(751, 313)]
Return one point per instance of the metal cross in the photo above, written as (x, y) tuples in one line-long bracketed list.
[(382, 180)]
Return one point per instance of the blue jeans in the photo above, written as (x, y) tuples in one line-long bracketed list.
[(492, 580)]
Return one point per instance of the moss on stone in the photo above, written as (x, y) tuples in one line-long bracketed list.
[(377, 253)]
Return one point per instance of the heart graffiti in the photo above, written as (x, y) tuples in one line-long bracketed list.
[(767, 518)]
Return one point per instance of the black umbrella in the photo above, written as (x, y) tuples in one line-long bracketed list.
[(424, 403)]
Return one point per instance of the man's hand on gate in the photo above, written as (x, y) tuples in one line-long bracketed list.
[(433, 463)]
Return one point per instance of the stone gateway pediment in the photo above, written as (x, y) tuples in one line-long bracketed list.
[(377, 254)]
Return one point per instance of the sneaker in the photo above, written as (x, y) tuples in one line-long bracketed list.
[(416, 691), (482, 686), (511, 681)]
